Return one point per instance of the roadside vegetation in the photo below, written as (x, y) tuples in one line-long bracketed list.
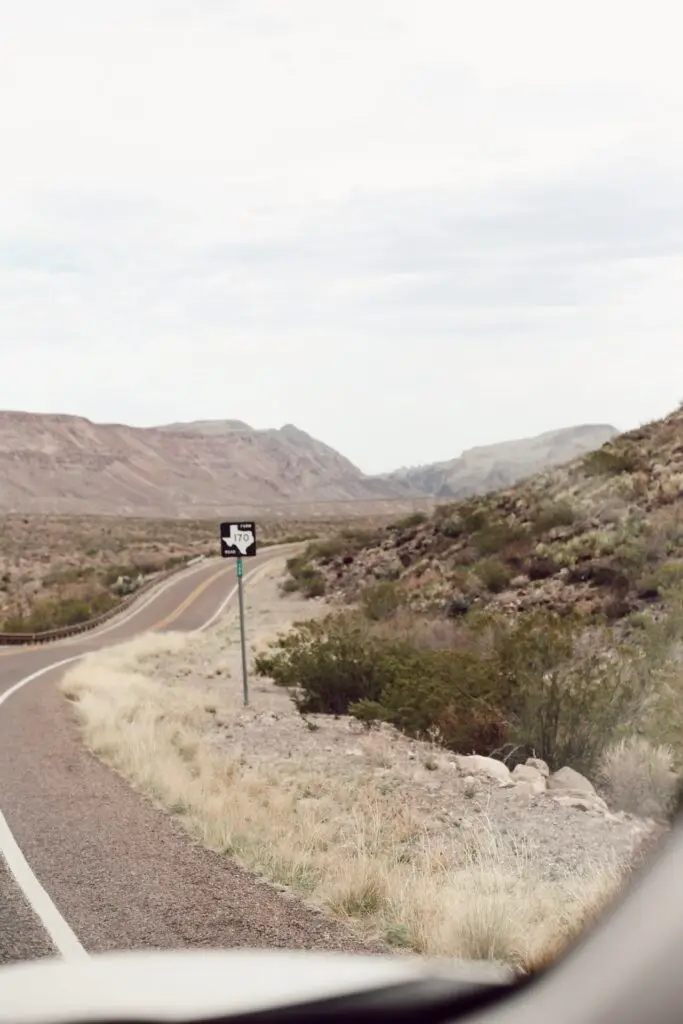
[(540, 626), (64, 570), (563, 689)]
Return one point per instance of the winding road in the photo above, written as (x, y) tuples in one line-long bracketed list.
[(86, 863)]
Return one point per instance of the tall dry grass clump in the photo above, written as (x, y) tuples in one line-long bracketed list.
[(638, 777)]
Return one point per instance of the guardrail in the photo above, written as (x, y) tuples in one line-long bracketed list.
[(17, 639)]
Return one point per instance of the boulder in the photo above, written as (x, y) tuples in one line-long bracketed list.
[(566, 778), (581, 801), (477, 764), (527, 789), (539, 765), (530, 777)]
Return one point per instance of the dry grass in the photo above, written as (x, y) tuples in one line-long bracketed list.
[(638, 777), (348, 841)]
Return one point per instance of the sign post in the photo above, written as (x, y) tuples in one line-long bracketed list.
[(238, 541)]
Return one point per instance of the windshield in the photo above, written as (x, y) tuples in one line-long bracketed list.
[(341, 462)]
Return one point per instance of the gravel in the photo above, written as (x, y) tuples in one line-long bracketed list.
[(21, 936)]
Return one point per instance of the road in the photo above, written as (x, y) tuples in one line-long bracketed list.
[(88, 864)]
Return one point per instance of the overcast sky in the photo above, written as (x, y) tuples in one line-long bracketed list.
[(406, 226)]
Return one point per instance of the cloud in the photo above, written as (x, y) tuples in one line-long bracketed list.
[(406, 230)]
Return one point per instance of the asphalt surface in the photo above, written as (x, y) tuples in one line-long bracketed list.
[(122, 874)]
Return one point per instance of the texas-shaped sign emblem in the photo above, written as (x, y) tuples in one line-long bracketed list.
[(238, 540)]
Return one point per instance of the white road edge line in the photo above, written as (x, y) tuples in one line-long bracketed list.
[(62, 936)]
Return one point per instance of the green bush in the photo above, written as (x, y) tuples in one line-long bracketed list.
[(381, 600), (473, 516), (612, 462), (326, 664), (314, 586), (496, 536), (547, 684), (46, 615), (447, 693), (452, 527), (493, 574), (339, 666), (552, 515), (304, 576), (568, 688)]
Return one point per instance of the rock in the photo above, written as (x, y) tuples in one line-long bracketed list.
[(469, 785), (478, 764), (527, 789), (566, 778), (530, 777), (581, 801), (541, 766), (457, 606)]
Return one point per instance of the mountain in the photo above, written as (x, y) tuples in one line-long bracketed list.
[(600, 534), (67, 464), (207, 428), (490, 467)]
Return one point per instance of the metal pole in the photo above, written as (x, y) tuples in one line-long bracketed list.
[(240, 591)]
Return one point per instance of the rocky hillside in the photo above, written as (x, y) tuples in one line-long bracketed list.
[(489, 467), (67, 464), (602, 534)]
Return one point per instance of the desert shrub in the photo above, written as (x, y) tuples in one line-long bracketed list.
[(381, 600), (569, 689), (638, 777), (45, 615), (548, 684), (422, 631), (542, 568), (452, 527), (175, 560), (289, 585), (496, 536), (325, 551), (473, 518), (631, 555), (358, 537), (114, 572), (552, 515), (670, 575), (494, 574), (304, 576), (314, 585), (339, 665), (445, 693), (612, 462), (410, 521), (326, 664)]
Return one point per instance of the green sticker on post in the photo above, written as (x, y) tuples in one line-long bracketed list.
[(239, 568)]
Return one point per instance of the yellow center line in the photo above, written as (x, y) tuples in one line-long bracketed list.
[(191, 597), (183, 606)]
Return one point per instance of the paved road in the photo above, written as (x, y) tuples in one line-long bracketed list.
[(103, 869)]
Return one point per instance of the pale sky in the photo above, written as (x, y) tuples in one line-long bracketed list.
[(408, 226)]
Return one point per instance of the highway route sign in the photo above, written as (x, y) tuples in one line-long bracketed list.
[(238, 540)]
